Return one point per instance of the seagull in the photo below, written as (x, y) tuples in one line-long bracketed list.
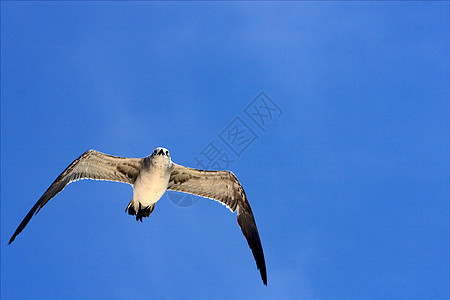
[(150, 177)]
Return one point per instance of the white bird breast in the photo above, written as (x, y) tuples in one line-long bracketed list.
[(151, 184)]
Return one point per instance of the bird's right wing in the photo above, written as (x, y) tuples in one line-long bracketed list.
[(90, 165), (224, 187)]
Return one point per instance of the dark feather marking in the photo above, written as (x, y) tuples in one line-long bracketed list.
[(125, 170)]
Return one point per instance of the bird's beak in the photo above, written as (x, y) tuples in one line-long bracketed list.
[(161, 152)]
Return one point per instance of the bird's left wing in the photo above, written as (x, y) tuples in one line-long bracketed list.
[(222, 186), (93, 165)]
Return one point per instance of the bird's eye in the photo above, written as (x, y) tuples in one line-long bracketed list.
[(167, 152), (154, 152)]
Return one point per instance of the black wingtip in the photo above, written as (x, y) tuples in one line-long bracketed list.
[(16, 233), (25, 221), (264, 276), (262, 268), (248, 227)]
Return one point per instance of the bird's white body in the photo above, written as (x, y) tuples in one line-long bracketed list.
[(152, 181)]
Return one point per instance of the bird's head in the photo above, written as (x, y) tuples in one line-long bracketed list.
[(160, 151)]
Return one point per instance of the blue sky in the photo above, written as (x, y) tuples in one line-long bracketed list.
[(349, 185)]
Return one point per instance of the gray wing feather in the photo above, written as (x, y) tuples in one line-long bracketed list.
[(222, 186), (90, 165)]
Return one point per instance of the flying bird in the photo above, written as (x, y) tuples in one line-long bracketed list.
[(150, 177)]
